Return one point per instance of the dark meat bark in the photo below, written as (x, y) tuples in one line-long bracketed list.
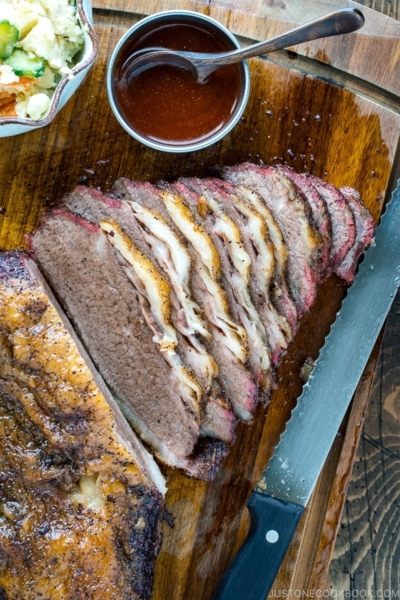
[(81, 501), (84, 268), (342, 219), (234, 377), (217, 418), (320, 214), (294, 219), (365, 231)]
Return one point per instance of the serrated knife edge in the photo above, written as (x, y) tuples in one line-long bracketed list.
[(293, 468)]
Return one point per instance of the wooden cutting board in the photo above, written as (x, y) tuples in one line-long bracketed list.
[(336, 115)]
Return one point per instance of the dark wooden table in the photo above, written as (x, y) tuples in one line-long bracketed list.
[(367, 551)]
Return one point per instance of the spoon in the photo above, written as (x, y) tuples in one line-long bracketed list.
[(345, 20)]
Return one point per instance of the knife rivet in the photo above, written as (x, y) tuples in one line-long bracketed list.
[(272, 536)]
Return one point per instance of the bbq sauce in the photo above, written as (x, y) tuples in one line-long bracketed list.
[(165, 103)]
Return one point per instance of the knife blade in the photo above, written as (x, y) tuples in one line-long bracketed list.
[(279, 499)]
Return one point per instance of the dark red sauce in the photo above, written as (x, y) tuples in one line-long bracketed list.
[(165, 103)]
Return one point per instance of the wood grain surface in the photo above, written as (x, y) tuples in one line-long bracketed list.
[(367, 551), (298, 114)]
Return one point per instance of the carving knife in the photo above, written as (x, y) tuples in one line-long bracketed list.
[(279, 499)]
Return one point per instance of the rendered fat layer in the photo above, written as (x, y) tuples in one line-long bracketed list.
[(156, 286), (157, 294), (273, 229), (209, 269), (196, 355), (228, 231), (264, 266), (175, 259)]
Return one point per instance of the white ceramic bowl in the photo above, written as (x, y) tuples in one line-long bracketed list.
[(10, 126)]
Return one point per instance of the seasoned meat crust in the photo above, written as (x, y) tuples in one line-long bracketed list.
[(80, 508), (83, 267)]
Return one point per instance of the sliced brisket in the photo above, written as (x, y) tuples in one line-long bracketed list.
[(294, 219), (342, 219), (94, 207), (258, 242), (224, 228), (234, 376), (365, 231), (320, 214), (281, 296), (91, 283)]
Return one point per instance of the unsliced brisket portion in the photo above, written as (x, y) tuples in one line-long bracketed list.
[(342, 219), (84, 268), (365, 231), (320, 214), (234, 376), (294, 219), (93, 206), (76, 485)]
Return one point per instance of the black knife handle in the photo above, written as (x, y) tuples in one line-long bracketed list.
[(252, 572)]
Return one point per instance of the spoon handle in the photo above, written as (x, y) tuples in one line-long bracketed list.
[(345, 20)]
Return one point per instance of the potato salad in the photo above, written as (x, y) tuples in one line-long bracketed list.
[(39, 40)]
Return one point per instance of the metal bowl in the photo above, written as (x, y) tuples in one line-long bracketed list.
[(178, 16), (10, 126)]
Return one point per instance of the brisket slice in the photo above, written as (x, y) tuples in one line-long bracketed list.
[(320, 214), (193, 191), (216, 419), (234, 377), (66, 451), (263, 265), (281, 296), (83, 267), (294, 219), (365, 231), (342, 219), (202, 217)]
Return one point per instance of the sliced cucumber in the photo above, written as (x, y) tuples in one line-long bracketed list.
[(22, 64), (9, 35)]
